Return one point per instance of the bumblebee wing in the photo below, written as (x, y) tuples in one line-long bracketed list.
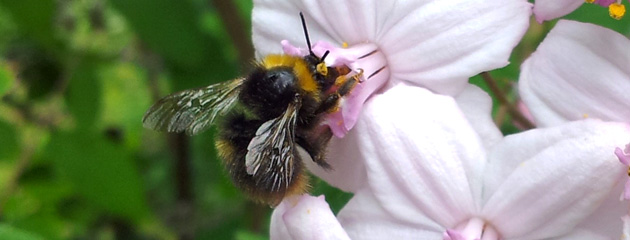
[(192, 110), (271, 153)]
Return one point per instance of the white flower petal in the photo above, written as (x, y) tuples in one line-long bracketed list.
[(363, 217), (305, 217), (327, 20), (626, 227), (423, 39), (441, 43), (277, 227), (345, 155), (579, 70), (605, 221), (550, 9), (543, 182), (421, 154), (345, 158), (581, 234), (477, 107)]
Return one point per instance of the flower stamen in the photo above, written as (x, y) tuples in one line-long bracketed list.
[(616, 10)]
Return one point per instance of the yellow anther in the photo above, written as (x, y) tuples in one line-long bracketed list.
[(322, 69), (616, 10), (585, 115), (590, 1), (344, 45)]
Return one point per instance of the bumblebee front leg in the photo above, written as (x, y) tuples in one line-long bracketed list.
[(344, 86)]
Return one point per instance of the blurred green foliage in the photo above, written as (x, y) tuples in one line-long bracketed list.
[(75, 79), (76, 76)]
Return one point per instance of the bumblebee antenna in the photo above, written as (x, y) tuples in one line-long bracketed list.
[(325, 55), (308, 40)]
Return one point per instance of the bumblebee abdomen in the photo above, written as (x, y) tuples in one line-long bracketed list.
[(234, 138)]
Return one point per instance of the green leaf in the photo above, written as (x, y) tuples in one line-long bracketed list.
[(10, 233), (6, 78), (247, 235), (34, 18), (84, 94), (169, 27), (125, 99), (9, 141), (102, 172), (173, 29)]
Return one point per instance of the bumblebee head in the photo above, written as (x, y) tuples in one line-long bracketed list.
[(321, 67)]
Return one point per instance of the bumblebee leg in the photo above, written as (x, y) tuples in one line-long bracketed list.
[(344, 86), (316, 148), (329, 104), (347, 84)]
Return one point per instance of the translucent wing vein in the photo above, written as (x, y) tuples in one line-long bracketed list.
[(192, 110)]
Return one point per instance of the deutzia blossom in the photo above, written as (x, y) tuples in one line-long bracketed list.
[(434, 44), (550, 9), (581, 71), (431, 174)]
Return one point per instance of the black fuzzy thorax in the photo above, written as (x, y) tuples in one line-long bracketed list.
[(267, 92)]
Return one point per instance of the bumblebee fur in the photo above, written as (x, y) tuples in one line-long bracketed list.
[(264, 118)]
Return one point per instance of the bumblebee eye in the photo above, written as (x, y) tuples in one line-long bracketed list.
[(322, 69)]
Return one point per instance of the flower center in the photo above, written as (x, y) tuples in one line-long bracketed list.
[(616, 10), (364, 58), (474, 229)]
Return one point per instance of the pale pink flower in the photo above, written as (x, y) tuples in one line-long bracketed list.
[(430, 43), (443, 171), (581, 71)]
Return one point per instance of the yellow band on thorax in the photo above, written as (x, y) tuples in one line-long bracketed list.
[(300, 68)]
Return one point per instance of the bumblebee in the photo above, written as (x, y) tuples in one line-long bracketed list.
[(267, 118)]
